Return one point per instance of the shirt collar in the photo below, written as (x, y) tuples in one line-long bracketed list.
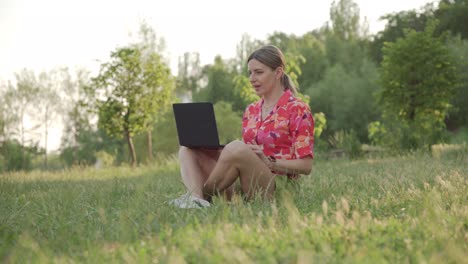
[(284, 99)]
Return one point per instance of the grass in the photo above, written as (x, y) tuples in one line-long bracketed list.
[(406, 209)]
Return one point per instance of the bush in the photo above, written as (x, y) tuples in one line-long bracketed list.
[(104, 159), (17, 157), (347, 142)]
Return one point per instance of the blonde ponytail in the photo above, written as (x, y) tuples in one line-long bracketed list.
[(288, 83)]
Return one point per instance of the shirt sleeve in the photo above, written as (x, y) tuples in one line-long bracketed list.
[(247, 134), (302, 131)]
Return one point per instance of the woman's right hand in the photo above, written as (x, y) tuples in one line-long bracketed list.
[(259, 151)]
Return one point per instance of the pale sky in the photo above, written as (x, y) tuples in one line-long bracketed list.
[(43, 34)]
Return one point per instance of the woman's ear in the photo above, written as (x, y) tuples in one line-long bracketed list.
[(279, 73)]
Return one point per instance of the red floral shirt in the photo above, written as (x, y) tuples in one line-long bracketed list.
[(286, 133)]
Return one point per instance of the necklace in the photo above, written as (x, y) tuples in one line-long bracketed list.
[(266, 110)]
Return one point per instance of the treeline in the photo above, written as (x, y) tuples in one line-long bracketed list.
[(404, 88)]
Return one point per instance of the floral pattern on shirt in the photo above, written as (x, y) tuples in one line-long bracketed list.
[(286, 133)]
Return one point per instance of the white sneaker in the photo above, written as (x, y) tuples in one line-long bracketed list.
[(189, 201)]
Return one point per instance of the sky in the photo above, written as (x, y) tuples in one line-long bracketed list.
[(43, 34)]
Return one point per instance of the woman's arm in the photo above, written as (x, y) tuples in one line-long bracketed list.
[(297, 166)]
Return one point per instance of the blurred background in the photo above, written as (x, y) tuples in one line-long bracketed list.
[(91, 83)]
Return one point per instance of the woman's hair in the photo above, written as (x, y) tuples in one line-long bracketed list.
[(272, 57)]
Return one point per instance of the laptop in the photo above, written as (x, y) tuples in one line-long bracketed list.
[(196, 125)]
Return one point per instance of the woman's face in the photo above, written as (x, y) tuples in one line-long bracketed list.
[(262, 77)]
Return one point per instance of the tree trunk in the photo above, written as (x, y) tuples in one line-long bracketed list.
[(46, 119), (149, 138), (131, 148), (22, 140), (75, 145)]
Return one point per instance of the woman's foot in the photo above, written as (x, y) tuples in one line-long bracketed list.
[(188, 200)]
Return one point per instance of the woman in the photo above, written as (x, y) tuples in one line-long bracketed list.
[(278, 139)]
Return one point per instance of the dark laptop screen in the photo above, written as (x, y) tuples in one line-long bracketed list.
[(196, 124)]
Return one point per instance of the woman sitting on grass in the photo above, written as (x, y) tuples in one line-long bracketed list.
[(278, 139)]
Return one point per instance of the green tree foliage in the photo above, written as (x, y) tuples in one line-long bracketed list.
[(19, 100), (150, 45), (229, 123), (418, 78), (3, 116), (19, 139), (451, 14), (320, 124), (131, 89), (458, 117), (166, 140), (346, 99), (188, 76), (78, 105), (338, 76), (219, 84), (315, 61), (345, 20), (81, 140), (244, 90), (395, 28), (16, 157), (89, 142), (453, 17)]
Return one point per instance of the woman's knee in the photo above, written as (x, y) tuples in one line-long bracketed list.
[(235, 149), (183, 151), (186, 153)]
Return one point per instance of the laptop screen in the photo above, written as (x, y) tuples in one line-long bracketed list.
[(196, 124)]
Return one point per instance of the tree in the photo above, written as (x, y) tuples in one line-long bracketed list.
[(188, 75), (150, 45), (395, 29), (418, 78), (78, 132), (345, 19), (458, 116), (130, 90), (314, 52), (48, 103), (243, 50), (346, 98), (219, 83), (453, 17), (3, 116), (19, 100)]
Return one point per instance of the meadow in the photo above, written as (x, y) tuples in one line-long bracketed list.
[(406, 209)]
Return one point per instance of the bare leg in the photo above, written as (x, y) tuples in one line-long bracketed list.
[(195, 167), (239, 161)]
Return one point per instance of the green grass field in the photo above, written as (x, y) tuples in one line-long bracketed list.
[(407, 209)]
